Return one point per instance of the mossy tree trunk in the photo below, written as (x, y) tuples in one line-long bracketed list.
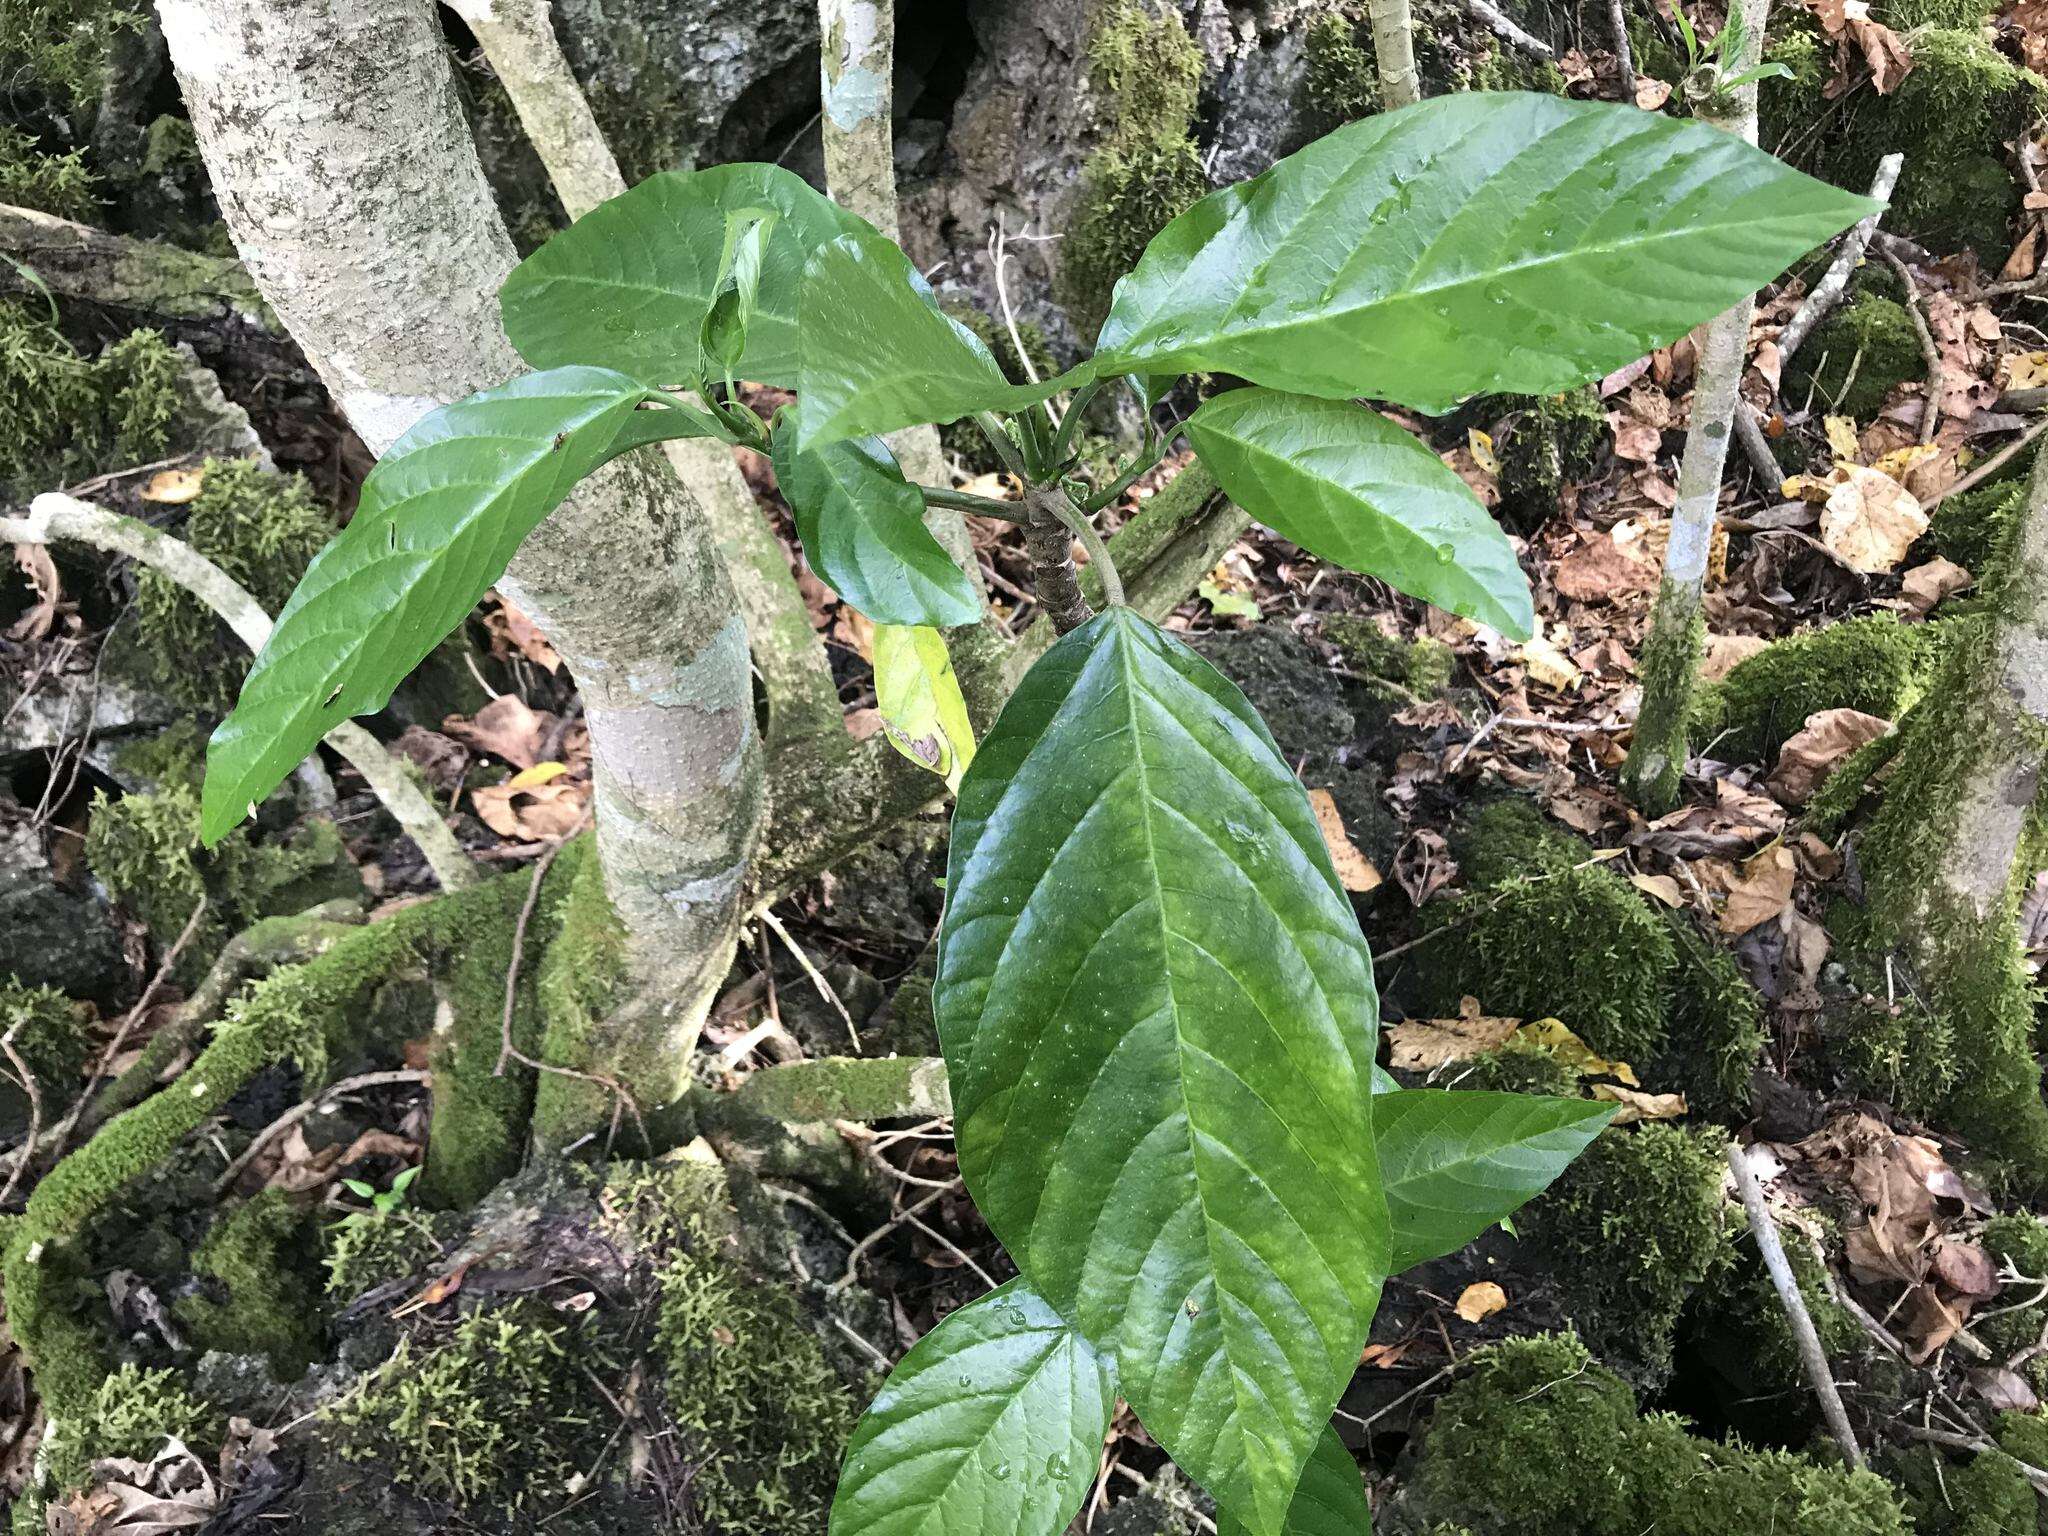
[(1671, 655), (348, 178), (1962, 831)]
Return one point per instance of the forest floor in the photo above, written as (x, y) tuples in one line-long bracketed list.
[(304, 1338)]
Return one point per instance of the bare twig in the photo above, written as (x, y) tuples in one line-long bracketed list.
[(817, 977), (1828, 291), (1990, 466), (35, 1111), (2036, 1477), (852, 1273), (506, 1050), (1749, 432), (299, 1111), (1624, 57), (1787, 1286), (1930, 415)]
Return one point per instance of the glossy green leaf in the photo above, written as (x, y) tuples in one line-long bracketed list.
[(1456, 1162), (879, 354), (1477, 241), (918, 697), (1330, 1501), (862, 526), (439, 519), (630, 284), (1158, 1018), (992, 1425), (1348, 485)]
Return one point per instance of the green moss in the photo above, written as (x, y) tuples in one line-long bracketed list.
[(1537, 1440), (1502, 68), (49, 1034), (1630, 1231), (1842, 792), (59, 48), (262, 1255), (1900, 1053), (1983, 1495), (145, 848), (2019, 1240), (372, 1247), (1742, 1308), (62, 185), (1549, 440), (579, 985), (61, 414), (1856, 357), (1539, 937), (1340, 75), (1146, 169), (262, 529), (1522, 1066), (1716, 1032), (130, 1414), (1968, 526), (1874, 664), (491, 1415), (763, 1414), (1654, 773), (1422, 666)]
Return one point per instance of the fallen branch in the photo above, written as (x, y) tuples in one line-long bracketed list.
[(1508, 32), (2035, 1476), (1749, 431), (76, 261), (1786, 1284), (1835, 281), (55, 516), (1990, 466), (1930, 414), (1624, 56)]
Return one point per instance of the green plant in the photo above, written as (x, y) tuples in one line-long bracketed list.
[(1155, 1003)]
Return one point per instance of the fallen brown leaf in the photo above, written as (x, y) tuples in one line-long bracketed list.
[(1870, 521), (1354, 870), (1480, 1301), (1421, 1045), (1814, 751), (506, 728), (1924, 586), (1636, 1105)]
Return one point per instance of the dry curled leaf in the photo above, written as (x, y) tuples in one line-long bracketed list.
[(506, 728), (1636, 1105), (1480, 1301), (1354, 870), (1817, 748), (1925, 586), (1755, 891), (1421, 1045), (174, 487)]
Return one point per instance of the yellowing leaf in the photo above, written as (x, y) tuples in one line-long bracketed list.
[(1842, 443), (920, 702), (1481, 1301), (1640, 1106), (1568, 1048), (2026, 370), (1548, 665), (1481, 445), (1354, 869), (539, 773), (173, 487), (1900, 461), (1663, 887)]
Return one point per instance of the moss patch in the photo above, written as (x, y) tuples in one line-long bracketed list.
[(1146, 169), (1716, 1031), (1630, 1231), (59, 184), (1875, 664), (579, 983), (261, 1258), (1856, 357), (1340, 73), (1539, 1441), (1539, 937), (262, 529), (1549, 439), (130, 1414), (61, 412), (493, 1414), (1422, 666), (372, 1247), (1969, 526), (59, 48), (2020, 1240)]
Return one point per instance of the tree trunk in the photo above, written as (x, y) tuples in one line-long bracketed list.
[(1393, 44), (1950, 855), (1671, 655), (345, 170)]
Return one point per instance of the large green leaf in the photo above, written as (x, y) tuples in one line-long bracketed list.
[(1456, 1162), (439, 519), (629, 284), (1477, 241), (1329, 1502), (1158, 1017), (862, 525), (992, 1425), (1347, 484), (879, 354)]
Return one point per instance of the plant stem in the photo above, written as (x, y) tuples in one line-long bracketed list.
[(1098, 552), (1049, 540), (1005, 446), (966, 501), (1393, 44)]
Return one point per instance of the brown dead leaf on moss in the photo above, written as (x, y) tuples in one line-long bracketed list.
[(1817, 748), (1355, 872), (1926, 586), (1422, 1045), (1637, 1106), (1752, 892), (1870, 521)]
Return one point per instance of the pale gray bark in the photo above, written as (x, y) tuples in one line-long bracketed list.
[(56, 517), (348, 178), (1393, 44), (1656, 757), (857, 66), (1848, 255)]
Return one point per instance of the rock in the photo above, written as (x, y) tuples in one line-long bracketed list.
[(51, 936)]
